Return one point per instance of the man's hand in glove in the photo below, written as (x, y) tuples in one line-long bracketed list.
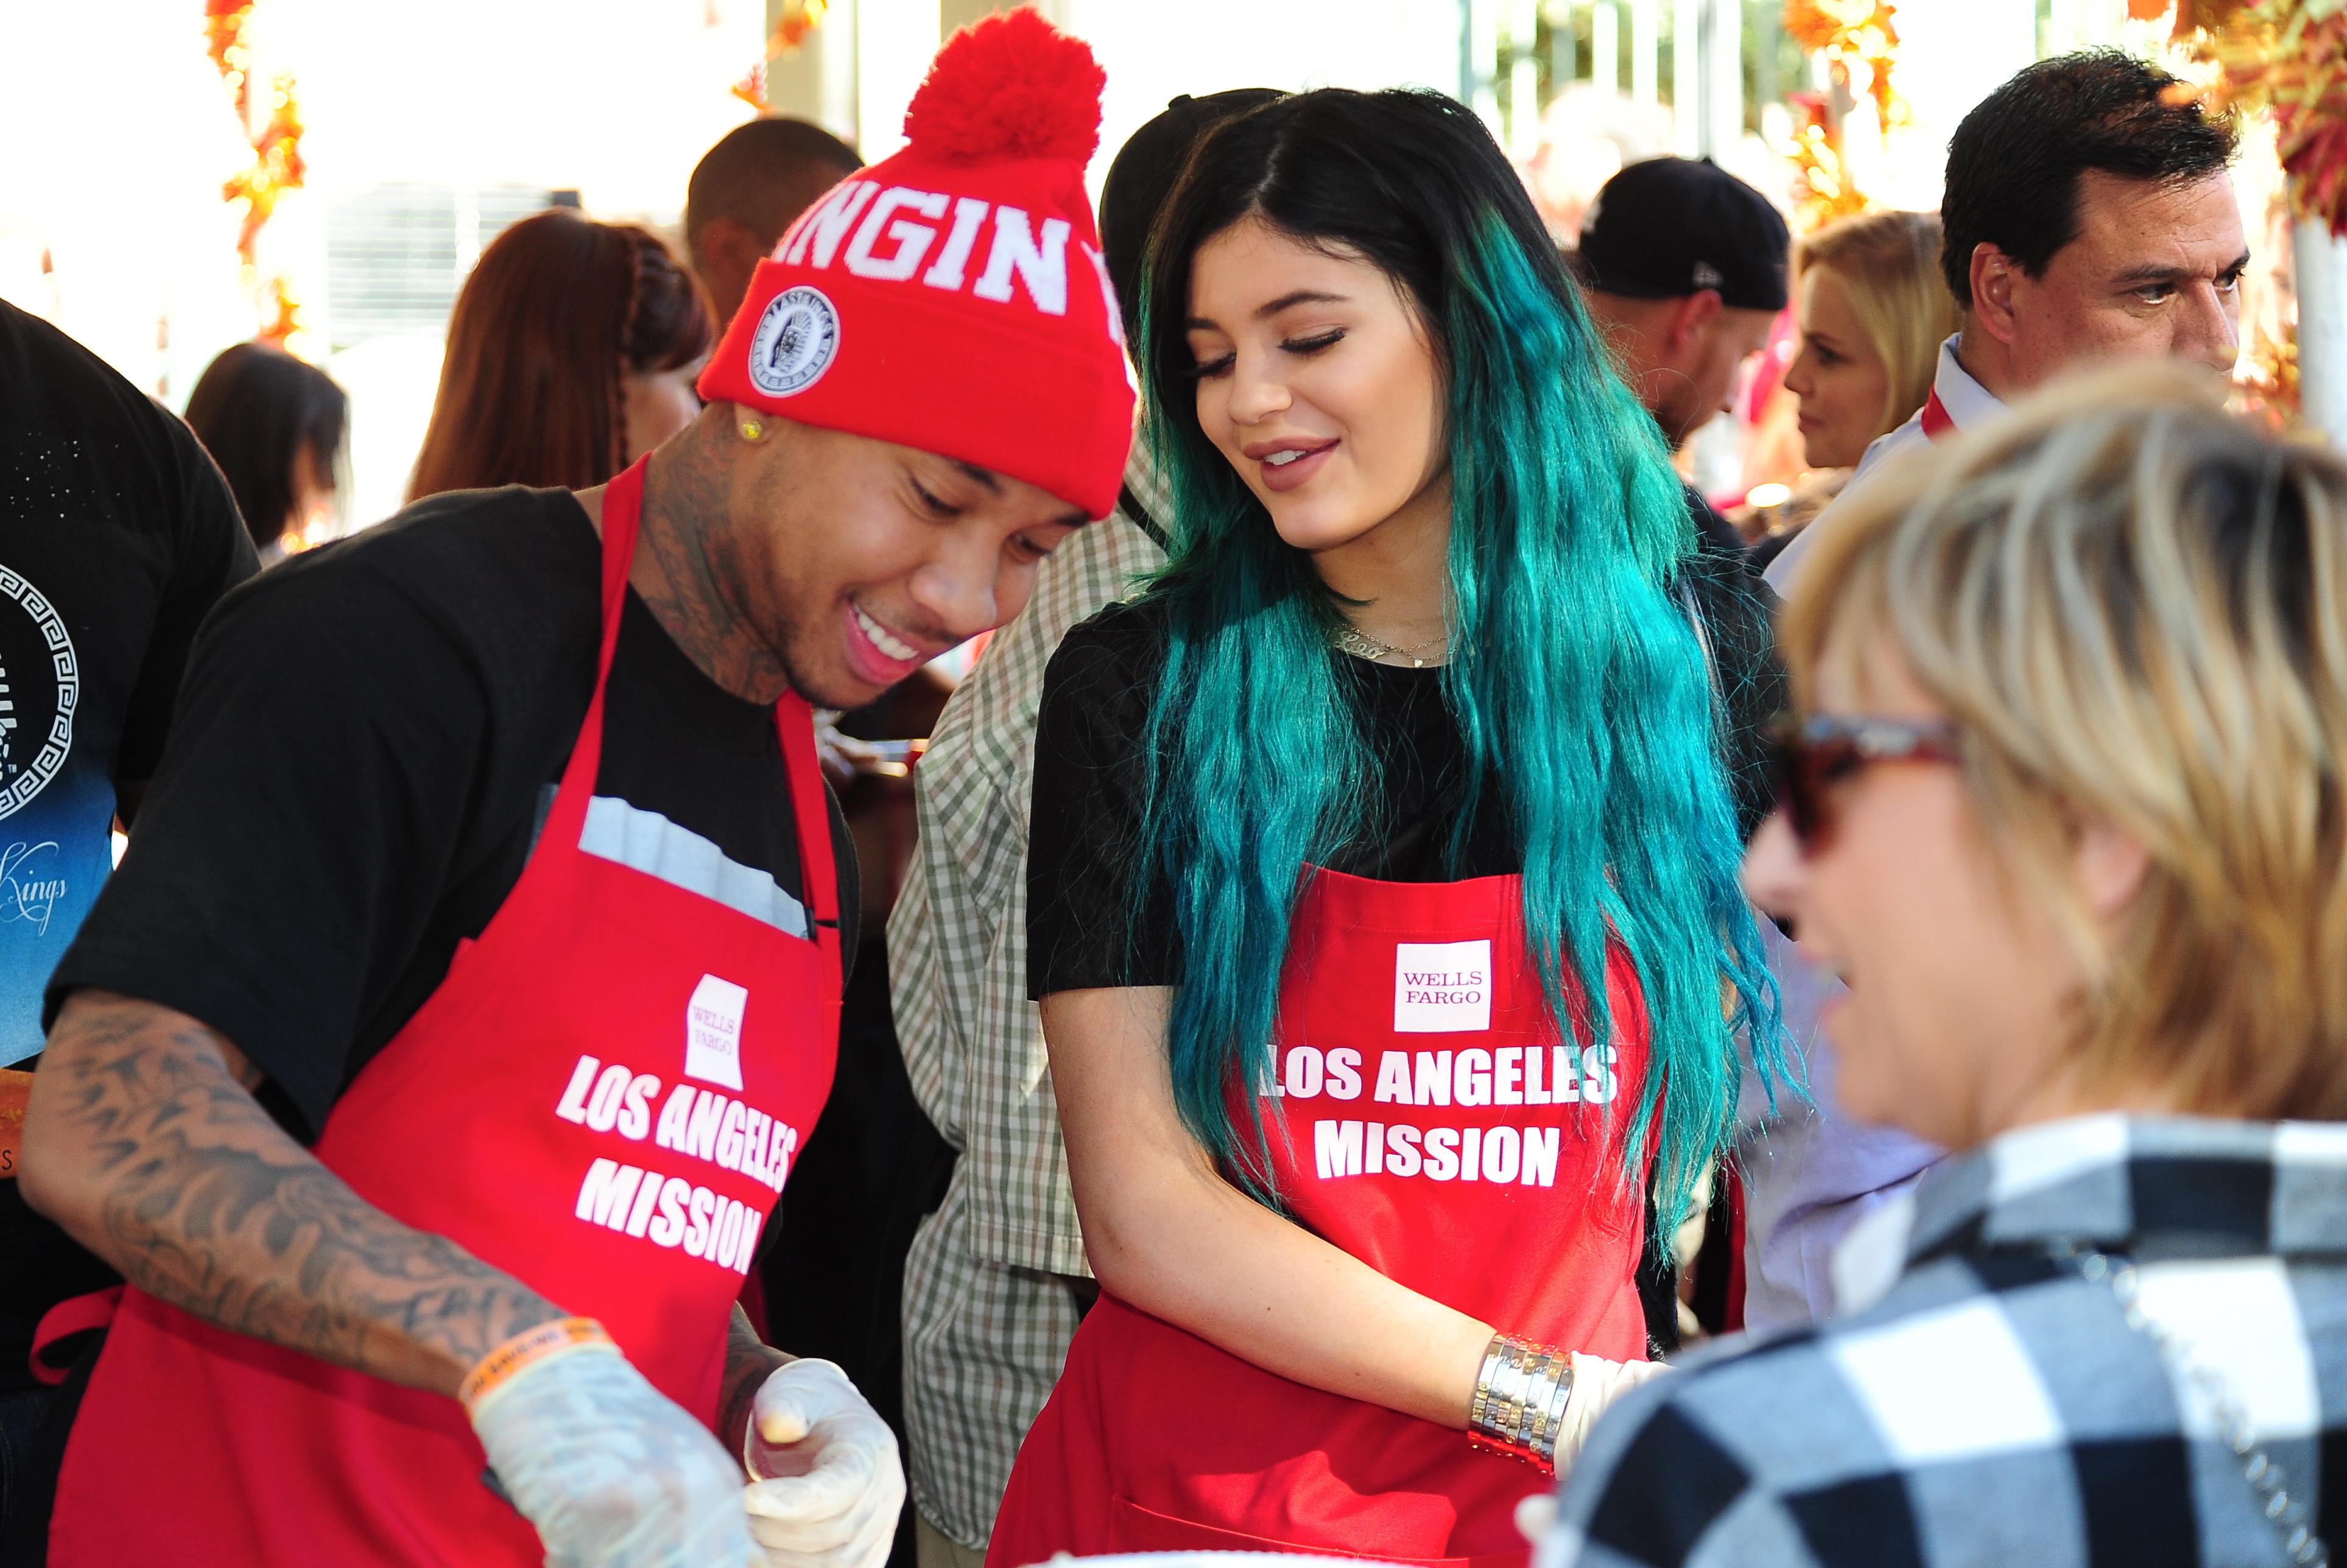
[(612, 1473), (826, 1483), (1596, 1383)]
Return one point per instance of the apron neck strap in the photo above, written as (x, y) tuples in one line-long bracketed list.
[(623, 511), (794, 722)]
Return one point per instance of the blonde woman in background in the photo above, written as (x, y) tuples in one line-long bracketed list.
[(1873, 312), (2065, 803)]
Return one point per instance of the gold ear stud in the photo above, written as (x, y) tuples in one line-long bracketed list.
[(751, 430)]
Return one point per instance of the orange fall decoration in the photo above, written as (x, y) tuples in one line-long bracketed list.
[(1850, 33), (799, 19), (2288, 58), (277, 164)]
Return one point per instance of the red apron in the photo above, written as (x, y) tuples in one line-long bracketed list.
[(1435, 1130), (601, 1098)]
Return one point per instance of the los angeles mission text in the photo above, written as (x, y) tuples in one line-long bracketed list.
[(694, 1123), (1525, 1154)]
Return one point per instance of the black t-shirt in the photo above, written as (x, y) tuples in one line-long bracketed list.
[(367, 744), (1091, 781), (116, 534), (1083, 929)]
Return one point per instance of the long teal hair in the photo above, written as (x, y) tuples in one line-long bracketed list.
[(1578, 685)]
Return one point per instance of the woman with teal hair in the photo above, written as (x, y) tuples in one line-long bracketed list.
[(1383, 907)]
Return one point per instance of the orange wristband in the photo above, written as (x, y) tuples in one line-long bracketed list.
[(559, 1337)]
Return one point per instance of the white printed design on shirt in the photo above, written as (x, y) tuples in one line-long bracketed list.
[(695, 1125), (712, 1032), (1442, 987), (40, 686)]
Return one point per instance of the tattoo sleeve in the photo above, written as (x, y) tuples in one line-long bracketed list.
[(154, 1155), (748, 1360)]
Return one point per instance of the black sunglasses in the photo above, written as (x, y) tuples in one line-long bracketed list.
[(1807, 757)]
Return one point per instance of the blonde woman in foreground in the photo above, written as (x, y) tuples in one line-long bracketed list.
[(2064, 806)]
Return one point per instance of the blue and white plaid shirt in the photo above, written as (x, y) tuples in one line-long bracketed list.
[(1993, 1406)]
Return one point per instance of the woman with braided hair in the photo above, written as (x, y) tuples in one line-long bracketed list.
[(571, 352)]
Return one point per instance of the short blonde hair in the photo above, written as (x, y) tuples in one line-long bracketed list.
[(1889, 265), (2134, 609)]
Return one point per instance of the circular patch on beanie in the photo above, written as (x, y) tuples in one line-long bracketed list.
[(796, 340)]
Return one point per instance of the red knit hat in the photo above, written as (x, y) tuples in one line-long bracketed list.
[(953, 297)]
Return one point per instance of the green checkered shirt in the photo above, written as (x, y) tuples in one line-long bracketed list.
[(989, 1306)]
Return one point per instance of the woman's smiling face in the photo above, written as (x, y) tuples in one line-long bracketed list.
[(1317, 381)]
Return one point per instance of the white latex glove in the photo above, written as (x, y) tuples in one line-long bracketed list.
[(1596, 1383), (612, 1473), (826, 1481)]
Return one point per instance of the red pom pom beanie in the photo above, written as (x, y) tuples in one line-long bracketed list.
[(953, 297)]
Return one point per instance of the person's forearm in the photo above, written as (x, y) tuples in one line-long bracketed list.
[(749, 1362), (1165, 1233), (1213, 1261), (142, 1142)]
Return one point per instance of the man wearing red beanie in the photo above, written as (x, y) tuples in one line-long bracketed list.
[(432, 1065)]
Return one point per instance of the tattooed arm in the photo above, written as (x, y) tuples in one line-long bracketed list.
[(144, 1141)]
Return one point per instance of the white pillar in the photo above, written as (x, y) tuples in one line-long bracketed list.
[(894, 41), (1723, 125), (1523, 76), (2319, 265), (1481, 66), (1605, 46), (1686, 75), (1645, 50), (817, 80)]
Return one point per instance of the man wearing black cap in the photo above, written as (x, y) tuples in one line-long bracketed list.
[(1683, 265), (997, 1280), (1685, 268)]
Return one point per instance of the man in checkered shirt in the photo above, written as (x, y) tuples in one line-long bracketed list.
[(2064, 804)]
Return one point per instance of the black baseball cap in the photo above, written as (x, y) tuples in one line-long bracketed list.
[(1672, 226)]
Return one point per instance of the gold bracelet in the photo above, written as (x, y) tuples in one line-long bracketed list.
[(558, 1337)]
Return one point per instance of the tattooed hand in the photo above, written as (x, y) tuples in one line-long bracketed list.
[(144, 1141)]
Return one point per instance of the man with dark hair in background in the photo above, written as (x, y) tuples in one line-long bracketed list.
[(2087, 217), (744, 192)]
